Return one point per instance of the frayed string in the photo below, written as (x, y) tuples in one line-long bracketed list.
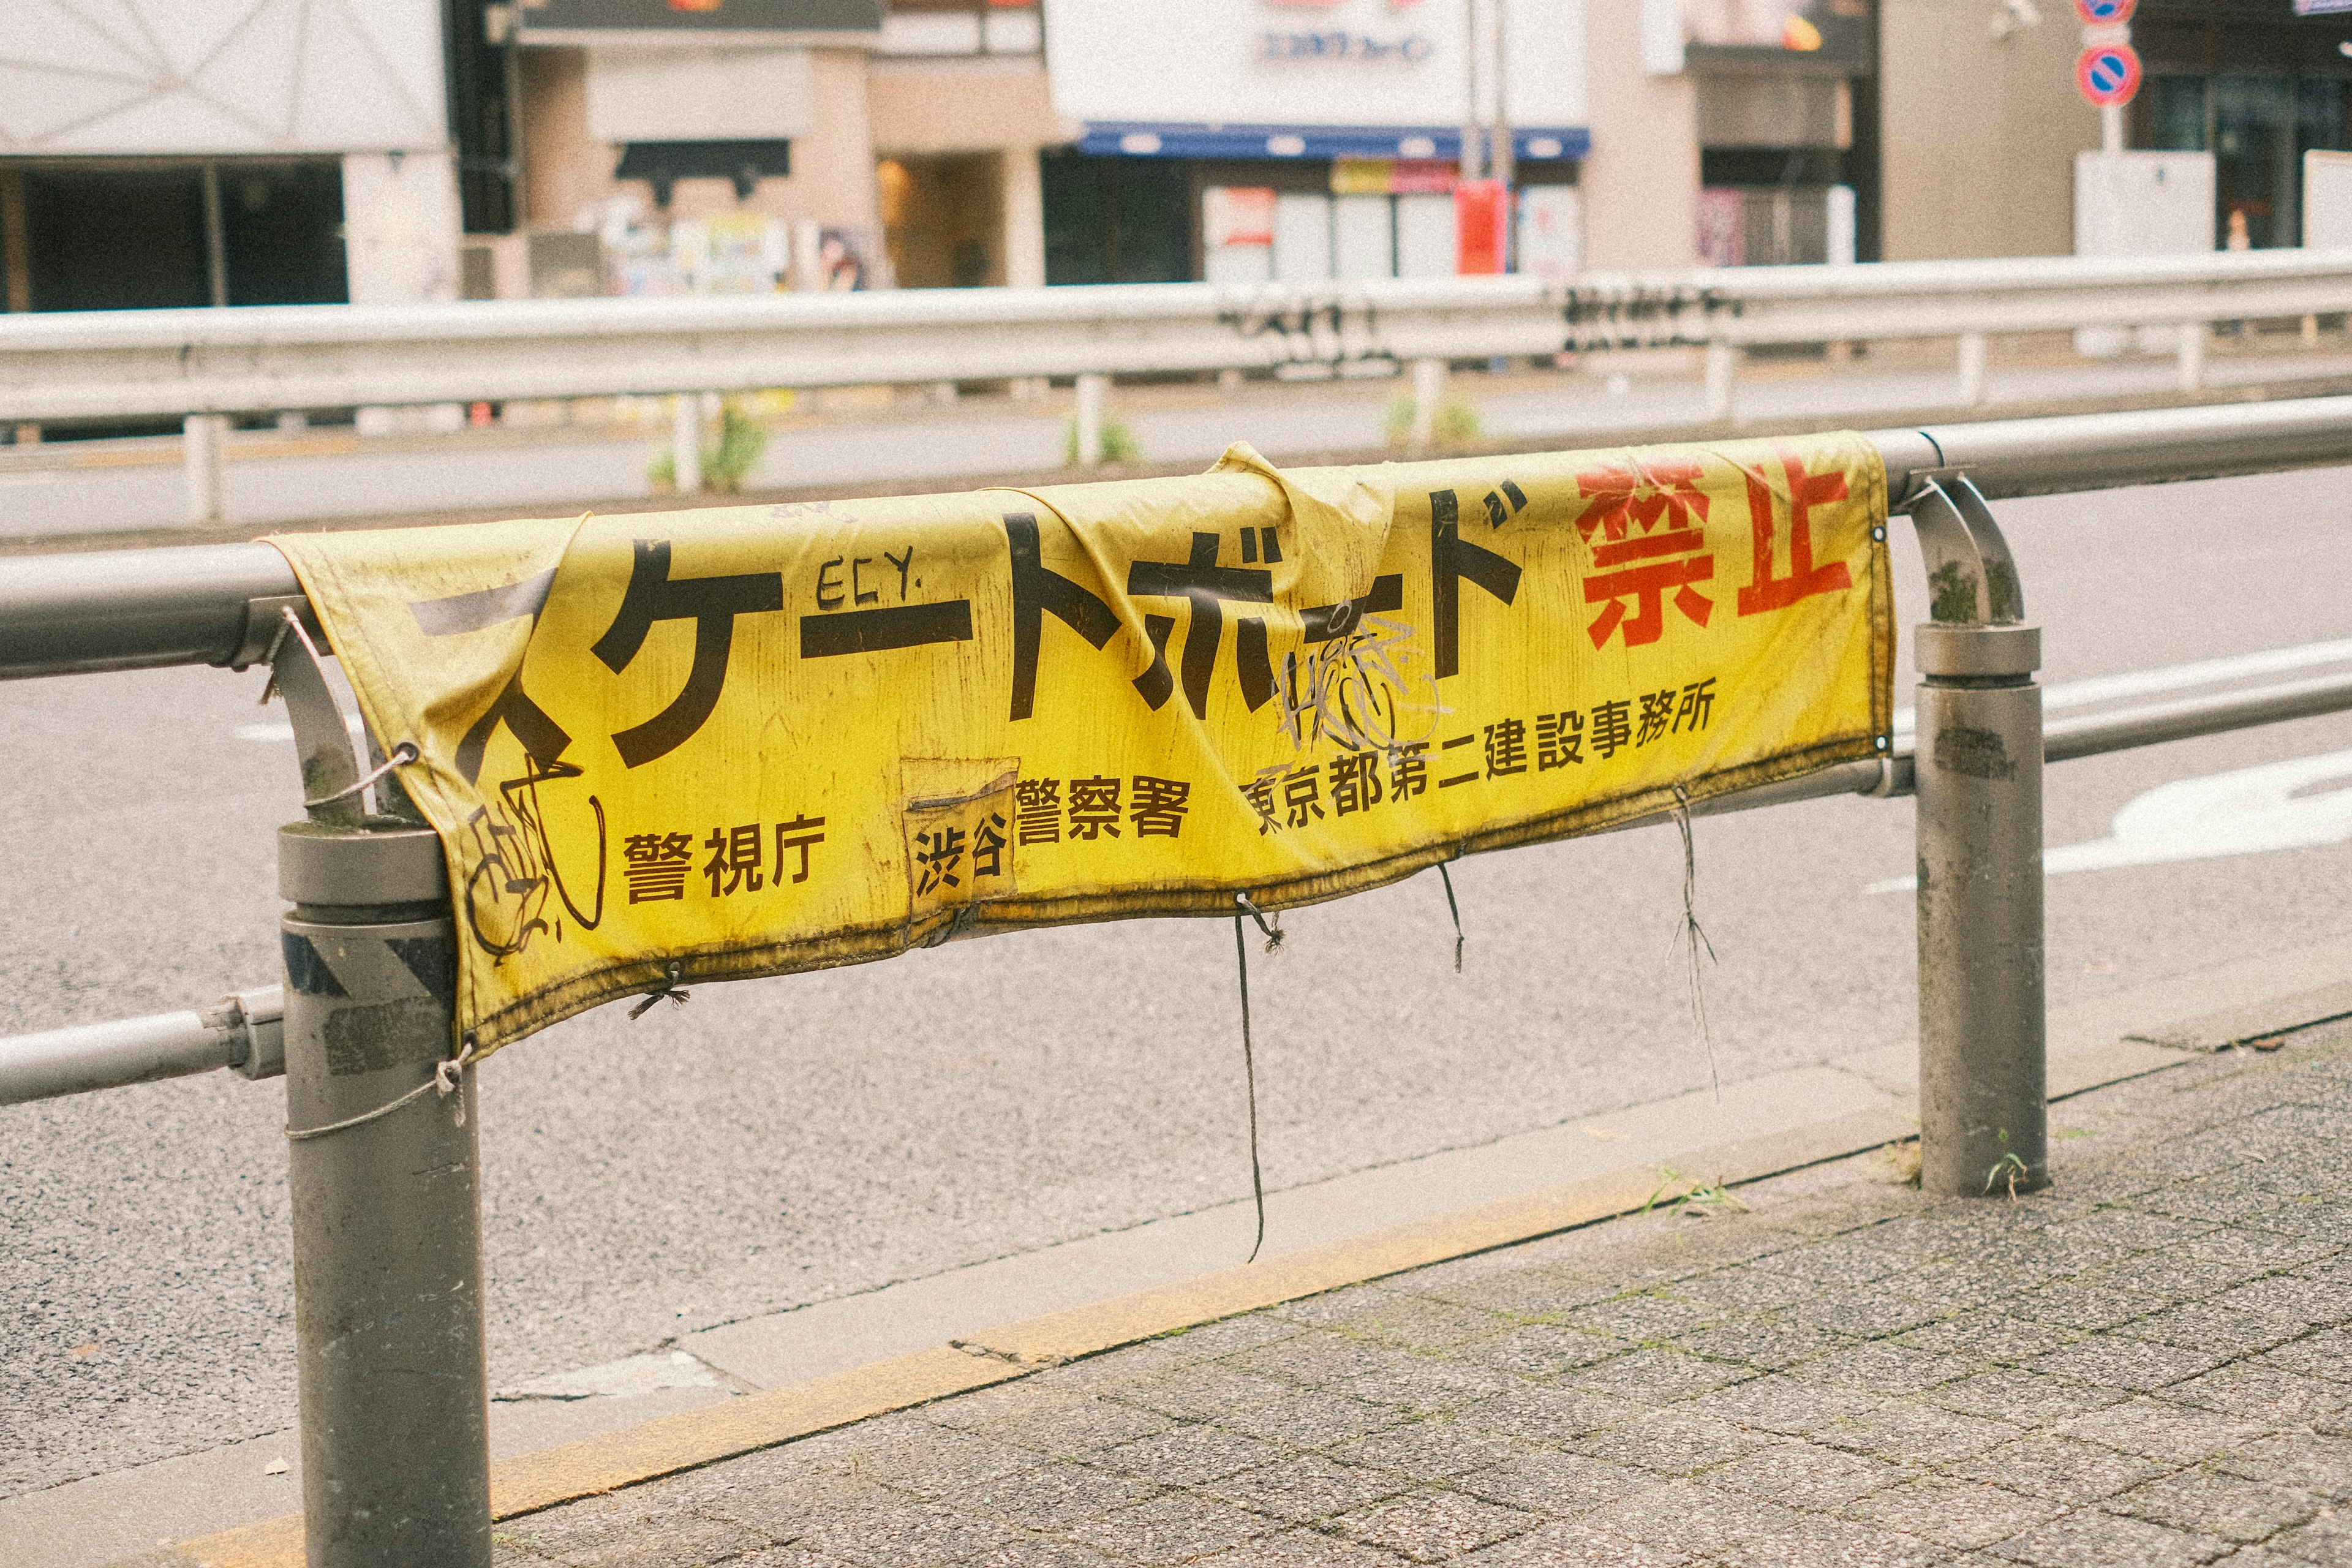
[(667, 988), (1249, 1060), (1694, 938), (1455, 910)]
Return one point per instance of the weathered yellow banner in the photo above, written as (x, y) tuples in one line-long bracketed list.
[(753, 740)]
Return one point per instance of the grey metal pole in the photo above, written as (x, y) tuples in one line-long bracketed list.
[(1983, 1079), (387, 1207)]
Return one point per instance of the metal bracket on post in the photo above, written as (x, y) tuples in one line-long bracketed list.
[(384, 1162), (1983, 1074)]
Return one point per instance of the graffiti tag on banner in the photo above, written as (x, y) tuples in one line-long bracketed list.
[(756, 740)]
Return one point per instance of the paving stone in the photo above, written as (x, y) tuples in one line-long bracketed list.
[(1429, 1450), (1684, 1517), (1746, 1289), (1977, 1282), (1308, 1486), (2072, 1304), (1550, 1414), (2130, 1230), (1808, 1475), (1883, 1368), (1185, 1456), (2022, 1397), (1316, 1359), (1424, 1322), (935, 1460), (1906, 1431), (1108, 1374), (1813, 1542), (1653, 1376), (1172, 1528), (1199, 1394), (1542, 1480), (631, 1527), (2063, 1469), (1337, 1306), (2289, 1296), (1672, 1442), (1225, 1337), (1762, 1344), (1531, 1293), (2308, 1219), (2090, 1539), (2114, 1361), (1868, 1313), (2223, 1199), (1953, 1512), (2262, 1249), (2216, 1325), (1780, 1402), (2160, 1430), (1434, 1526), (1538, 1350), (2327, 1540), (1058, 1492), (2169, 1274), (1985, 1334), (1843, 1261), (1419, 1383), (2266, 1393), (1312, 1418), (1033, 1551), (1303, 1547), (904, 1536), (2231, 1507), (2310, 1461), (1572, 1544), (1645, 1317)]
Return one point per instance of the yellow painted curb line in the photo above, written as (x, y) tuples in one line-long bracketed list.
[(533, 1481)]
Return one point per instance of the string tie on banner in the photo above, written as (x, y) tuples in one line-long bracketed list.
[(1249, 1060), (1692, 939), (668, 988), (1455, 910), (447, 1075)]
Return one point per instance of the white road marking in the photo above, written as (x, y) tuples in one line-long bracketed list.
[(2296, 804), (2175, 677), (285, 731)]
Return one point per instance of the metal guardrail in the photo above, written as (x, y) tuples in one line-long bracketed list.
[(387, 1237), (202, 365)]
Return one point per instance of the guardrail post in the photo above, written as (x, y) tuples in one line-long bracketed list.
[(1722, 369), (1972, 370), (686, 442), (2192, 356), (1093, 399), (1983, 1081), (1428, 392), (387, 1212), (202, 437)]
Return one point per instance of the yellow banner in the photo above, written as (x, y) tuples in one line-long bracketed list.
[(755, 740)]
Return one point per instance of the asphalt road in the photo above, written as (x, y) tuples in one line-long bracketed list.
[(786, 1141)]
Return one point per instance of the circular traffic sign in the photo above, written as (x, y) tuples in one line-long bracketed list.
[(2107, 73), (2103, 13)]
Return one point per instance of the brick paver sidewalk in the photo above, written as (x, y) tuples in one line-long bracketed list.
[(2146, 1365)]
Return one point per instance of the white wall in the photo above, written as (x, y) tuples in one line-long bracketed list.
[(400, 226), (1207, 62), (178, 76)]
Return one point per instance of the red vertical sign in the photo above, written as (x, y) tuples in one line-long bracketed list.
[(1481, 210)]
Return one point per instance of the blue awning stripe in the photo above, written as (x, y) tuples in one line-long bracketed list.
[(1145, 139)]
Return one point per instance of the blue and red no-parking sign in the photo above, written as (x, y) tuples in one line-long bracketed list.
[(2107, 73), (2103, 13)]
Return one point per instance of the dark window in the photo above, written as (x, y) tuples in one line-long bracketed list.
[(116, 240), (1117, 220), (282, 233)]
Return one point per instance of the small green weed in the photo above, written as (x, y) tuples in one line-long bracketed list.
[(727, 460), (1119, 442), (1695, 1200), (1457, 423)]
